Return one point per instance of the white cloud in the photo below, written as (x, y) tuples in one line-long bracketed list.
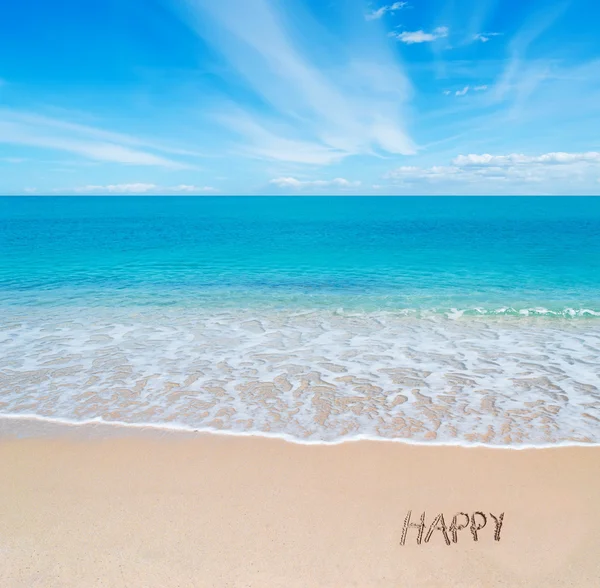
[(447, 92), (313, 115), (411, 172), (512, 173), (375, 14), (137, 188), (462, 92), (485, 37), (191, 189), (512, 159), (411, 37), (480, 88), (144, 188), (295, 184), (23, 128)]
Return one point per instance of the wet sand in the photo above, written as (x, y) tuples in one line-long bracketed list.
[(220, 511)]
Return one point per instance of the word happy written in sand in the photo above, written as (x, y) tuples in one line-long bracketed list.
[(460, 521)]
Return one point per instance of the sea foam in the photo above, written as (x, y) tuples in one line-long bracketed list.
[(499, 378)]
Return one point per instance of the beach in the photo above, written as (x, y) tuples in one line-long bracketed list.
[(300, 294), (291, 392), (144, 509)]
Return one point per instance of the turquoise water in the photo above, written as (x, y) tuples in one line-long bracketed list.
[(370, 253), (455, 320)]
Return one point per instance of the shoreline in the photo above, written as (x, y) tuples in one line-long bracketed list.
[(37, 426), (216, 510)]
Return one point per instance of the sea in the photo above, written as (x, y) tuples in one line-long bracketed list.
[(440, 320)]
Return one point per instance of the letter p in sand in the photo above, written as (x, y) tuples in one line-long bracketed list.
[(477, 526)]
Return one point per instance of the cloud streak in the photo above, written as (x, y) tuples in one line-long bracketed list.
[(466, 90), (32, 130), (518, 76), (485, 37), (307, 106), (386, 9)]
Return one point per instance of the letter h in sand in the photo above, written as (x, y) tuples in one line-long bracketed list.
[(407, 524)]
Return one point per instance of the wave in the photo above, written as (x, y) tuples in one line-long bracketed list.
[(272, 303), (61, 423), (538, 311)]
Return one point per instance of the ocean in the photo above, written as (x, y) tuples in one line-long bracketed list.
[(462, 320)]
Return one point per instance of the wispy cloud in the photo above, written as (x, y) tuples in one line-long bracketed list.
[(295, 184), (520, 76), (464, 91), (23, 128), (383, 10), (303, 109), (412, 37), (143, 188), (267, 144), (13, 160), (485, 37)]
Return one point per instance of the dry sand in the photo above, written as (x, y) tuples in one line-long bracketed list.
[(240, 512)]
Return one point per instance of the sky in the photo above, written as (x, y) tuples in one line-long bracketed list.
[(296, 97)]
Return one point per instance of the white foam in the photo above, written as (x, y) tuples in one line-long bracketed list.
[(311, 377)]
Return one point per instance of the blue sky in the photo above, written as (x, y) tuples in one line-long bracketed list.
[(300, 97)]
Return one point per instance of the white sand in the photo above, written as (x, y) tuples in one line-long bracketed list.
[(239, 512)]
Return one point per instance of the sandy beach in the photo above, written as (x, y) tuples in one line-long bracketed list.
[(166, 511)]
